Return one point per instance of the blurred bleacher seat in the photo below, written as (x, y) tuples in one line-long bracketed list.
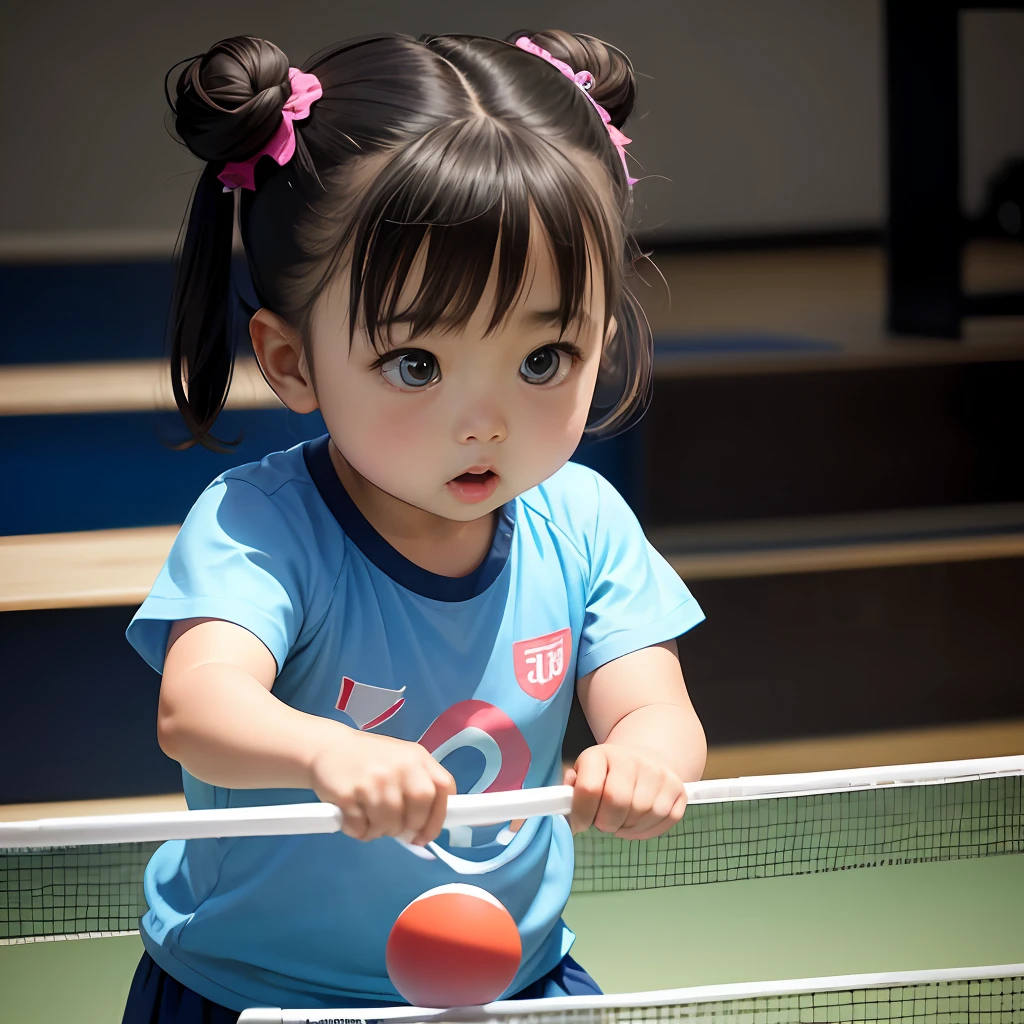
[(847, 507)]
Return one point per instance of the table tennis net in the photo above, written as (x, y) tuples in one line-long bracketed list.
[(808, 834), (85, 891), (920, 997)]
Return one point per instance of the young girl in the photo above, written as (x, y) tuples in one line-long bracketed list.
[(400, 610)]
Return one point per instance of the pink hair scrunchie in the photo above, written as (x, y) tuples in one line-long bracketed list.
[(306, 90), (585, 80)]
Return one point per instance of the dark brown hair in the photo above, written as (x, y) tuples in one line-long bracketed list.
[(473, 135)]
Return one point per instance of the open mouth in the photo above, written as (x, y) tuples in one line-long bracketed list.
[(473, 487), (475, 478)]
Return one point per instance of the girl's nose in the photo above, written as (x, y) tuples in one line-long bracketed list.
[(482, 425)]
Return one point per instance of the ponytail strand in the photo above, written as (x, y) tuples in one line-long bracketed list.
[(201, 342)]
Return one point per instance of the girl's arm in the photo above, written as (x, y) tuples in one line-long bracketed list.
[(219, 719), (649, 741)]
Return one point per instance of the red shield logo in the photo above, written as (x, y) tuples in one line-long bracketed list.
[(541, 663)]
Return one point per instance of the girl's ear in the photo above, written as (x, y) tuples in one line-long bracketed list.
[(282, 358)]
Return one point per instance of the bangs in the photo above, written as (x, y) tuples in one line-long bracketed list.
[(460, 203)]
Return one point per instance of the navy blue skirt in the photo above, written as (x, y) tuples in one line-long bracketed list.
[(156, 998)]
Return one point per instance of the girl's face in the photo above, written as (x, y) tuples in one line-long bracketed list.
[(457, 423)]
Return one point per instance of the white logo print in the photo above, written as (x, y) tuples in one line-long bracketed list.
[(368, 706), (547, 662)]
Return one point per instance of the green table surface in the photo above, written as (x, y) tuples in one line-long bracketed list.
[(962, 914)]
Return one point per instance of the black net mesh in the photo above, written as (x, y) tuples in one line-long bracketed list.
[(800, 835), (80, 890)]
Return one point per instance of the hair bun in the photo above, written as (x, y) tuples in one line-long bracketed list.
[(229, 101), (614, 81)]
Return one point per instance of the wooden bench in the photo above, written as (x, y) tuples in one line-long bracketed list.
[(103, 568)]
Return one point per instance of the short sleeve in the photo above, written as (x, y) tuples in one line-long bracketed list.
[(235, 558), (635, 598)]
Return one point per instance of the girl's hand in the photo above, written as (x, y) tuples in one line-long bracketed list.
[(619, 790), (384, 786)]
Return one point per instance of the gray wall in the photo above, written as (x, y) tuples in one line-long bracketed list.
[(755, 115)]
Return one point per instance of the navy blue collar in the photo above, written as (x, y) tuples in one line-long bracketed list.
[(391, 562)]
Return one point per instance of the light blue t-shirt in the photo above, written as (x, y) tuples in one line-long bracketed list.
[(480, 669)]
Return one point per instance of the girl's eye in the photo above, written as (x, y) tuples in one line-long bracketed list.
[(411, 371), (547, 365)]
